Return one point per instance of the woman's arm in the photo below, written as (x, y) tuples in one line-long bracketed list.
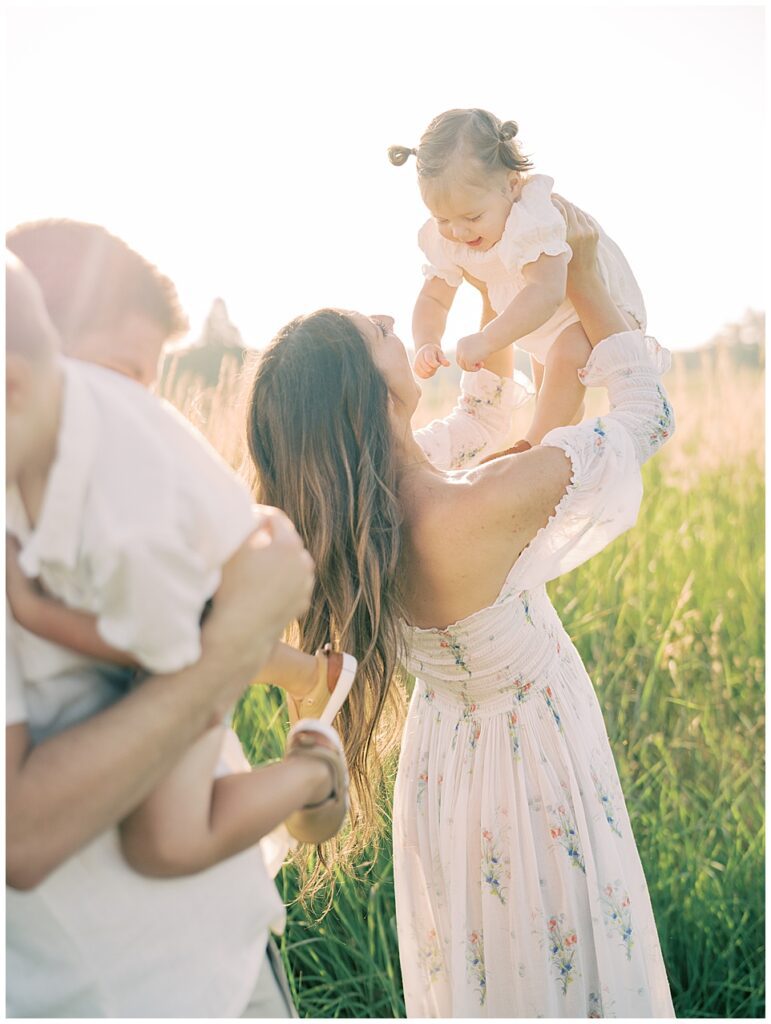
[(527, 311), (597, 463), (599, 314)]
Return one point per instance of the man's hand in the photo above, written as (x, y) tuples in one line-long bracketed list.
[(428, 359), (265, 585), (471, 351)]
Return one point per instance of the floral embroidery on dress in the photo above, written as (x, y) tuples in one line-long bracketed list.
[(600, 433), (475, 963), (514, 735), (551, 705), (563, 829), (618, 914), (455, 647), (594, 1005), (430, 956), (662, 429), (466, 454), (471, 403), (422, 779), (475, 729), (562, 950), (429, 695), (525, 599), (493, 866), (607, 803)]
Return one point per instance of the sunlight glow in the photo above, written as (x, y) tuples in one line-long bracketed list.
[(244, 148)]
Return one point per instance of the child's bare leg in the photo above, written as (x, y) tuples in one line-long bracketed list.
[(561, 394), (168, 825), (292, 670), (192, 821)]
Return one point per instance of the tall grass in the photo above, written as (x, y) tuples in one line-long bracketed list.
[(669, 621)]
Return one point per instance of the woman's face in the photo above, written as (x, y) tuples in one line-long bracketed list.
[(390, 357)]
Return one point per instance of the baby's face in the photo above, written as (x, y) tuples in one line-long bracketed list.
[(474, 215)]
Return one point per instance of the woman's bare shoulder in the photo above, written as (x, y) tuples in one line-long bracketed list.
[(519, 492)]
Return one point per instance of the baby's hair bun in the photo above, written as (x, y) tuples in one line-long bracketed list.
[(399, 155), (508, 130)]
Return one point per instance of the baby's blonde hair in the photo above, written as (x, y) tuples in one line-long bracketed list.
[(464, 137)]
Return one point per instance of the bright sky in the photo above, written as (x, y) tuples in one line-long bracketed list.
[(243, 148)]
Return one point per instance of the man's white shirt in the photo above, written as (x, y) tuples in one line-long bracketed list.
[(138, 517)]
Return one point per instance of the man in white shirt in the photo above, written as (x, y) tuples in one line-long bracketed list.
[(109, 305), (86, 936)]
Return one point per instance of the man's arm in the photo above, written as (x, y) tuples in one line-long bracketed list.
[(67, 790)]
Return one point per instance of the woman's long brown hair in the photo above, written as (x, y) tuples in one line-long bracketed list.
[(322, 448)]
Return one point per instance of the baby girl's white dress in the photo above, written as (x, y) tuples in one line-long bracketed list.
[(519, 889), (533, 228)]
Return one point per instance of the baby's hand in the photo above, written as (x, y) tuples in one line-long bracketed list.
[(428, 359), (471, 352)]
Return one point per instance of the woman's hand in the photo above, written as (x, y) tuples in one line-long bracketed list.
[(583, 234), (599, 315)]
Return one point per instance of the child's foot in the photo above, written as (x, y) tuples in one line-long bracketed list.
[(335, 673), (316, 823)]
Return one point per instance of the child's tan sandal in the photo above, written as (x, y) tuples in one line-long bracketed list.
[(316, 823), (334, 679)]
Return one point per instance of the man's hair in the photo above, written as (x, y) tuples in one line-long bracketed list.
[(92, 280), (28, 328)]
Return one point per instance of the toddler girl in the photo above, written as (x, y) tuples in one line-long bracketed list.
[(493, 222)]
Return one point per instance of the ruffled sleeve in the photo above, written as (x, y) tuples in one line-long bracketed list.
[(479, 423), (439, 255), (534, 227), (156, 582), (604, 494)]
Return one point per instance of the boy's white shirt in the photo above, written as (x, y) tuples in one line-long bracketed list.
[(96, 939), (138, 516)]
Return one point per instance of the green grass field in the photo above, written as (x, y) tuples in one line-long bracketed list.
[(669, 621)]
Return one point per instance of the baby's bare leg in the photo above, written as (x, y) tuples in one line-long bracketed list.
[(192, 820), (169, 826), (292, 670), (561, 394)]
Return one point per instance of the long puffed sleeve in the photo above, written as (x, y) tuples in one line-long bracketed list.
[(479, 423), (604, 494)]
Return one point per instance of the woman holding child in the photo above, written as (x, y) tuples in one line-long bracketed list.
[(518, 884)]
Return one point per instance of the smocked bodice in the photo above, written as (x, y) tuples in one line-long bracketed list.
[(510, 649)]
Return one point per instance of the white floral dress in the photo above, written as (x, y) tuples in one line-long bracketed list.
[(533, 228), (519, 889)]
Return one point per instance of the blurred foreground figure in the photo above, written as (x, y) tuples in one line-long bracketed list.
[(109, 304), (86, 935)]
